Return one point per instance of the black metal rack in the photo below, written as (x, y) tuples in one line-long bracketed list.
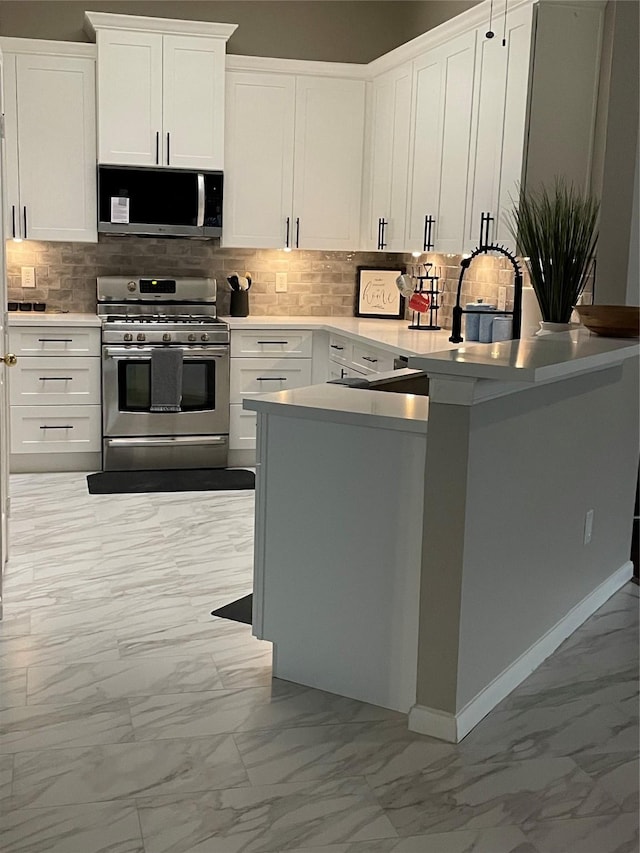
[(433, 292)]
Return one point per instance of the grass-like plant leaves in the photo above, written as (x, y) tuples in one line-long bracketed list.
[(556, 232)]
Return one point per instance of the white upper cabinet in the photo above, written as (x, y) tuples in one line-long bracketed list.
[(259, 129), (160, 91), (293, 154), (384, 227), (498, 130), (50, 144), (441, 134), (129, 97)]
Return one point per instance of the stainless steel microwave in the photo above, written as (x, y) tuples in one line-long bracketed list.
[(159, 202)]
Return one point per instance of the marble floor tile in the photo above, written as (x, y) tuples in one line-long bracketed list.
[(618, 773), (490, 795), (507, 839), (51, 726), (606, 834), (225, 711), (331, 752), (28, 595), (14, 625), (105, 680), (13, 687), (6, 779), (126, 770), (260, 819), (90, 828), (53, 649)]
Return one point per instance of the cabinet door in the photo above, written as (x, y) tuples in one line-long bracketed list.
[(327, 172), (129, 97), (391, 115), (441, 133), (498, 126), (258, 175), (10, 148), (193, 102), (56, 139)]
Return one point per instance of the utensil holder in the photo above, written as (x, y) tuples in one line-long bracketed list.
[(239, 303)]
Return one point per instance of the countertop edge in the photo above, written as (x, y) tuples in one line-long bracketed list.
[(37, 318)]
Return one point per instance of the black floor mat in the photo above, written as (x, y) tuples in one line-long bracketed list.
[(238, 611), (196, 480)]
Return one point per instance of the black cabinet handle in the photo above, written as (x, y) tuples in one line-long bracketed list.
[(64, 426), (55, 378), (335, 346), (25, 221), (427, 245), (485, 223), (383, 225), (368, 358), (13, 220), (379, 246), (168, 149), (272, 342), (157, 147), (297, 232), (271, 378), (55, 340), (286, 242)]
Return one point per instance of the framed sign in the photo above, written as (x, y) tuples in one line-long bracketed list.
[(377, 294)]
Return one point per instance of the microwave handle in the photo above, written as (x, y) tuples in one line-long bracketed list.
[(200, 215)]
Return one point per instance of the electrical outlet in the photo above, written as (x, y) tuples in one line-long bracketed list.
[(281, 282), (502, 298), (588, 527), (28, 276)]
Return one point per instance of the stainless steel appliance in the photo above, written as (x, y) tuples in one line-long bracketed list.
[(159, 202), (143, 315)]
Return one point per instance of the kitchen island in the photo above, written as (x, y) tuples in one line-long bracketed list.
[(427, 555)]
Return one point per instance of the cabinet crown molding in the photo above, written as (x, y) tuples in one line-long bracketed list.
[(44, 47), (106, 21), (274, 65)]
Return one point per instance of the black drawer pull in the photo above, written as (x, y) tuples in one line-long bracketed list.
[(368, 358), (55, 378), (55, 340), (335, 346), (271, 378), (65, 426), (272, 342)]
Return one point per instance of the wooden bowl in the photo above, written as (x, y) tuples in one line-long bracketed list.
[(611, 321)]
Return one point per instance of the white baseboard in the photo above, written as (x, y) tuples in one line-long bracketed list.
[(453, 727)]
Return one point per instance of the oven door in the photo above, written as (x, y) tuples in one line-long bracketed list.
[(126, 393)]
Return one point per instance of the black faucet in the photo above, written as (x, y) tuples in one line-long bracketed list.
[(458, 311)]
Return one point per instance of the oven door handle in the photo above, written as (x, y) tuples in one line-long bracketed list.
[(139, 353), (189, 441)]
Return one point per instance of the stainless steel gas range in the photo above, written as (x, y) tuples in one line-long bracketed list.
[(165, 374)]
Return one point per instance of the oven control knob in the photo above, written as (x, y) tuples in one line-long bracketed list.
[(131, 286), (204, 337), (128, 336), (191, 337), (141, 336), (166, 337)]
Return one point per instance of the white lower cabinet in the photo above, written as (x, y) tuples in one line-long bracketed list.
[(351, 359), (263, 362), (54, 391)]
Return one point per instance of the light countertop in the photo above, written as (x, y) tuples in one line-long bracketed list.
[(46, 318), (392, 335), (354, 406), (537, 359)]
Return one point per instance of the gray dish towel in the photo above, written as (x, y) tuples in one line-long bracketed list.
[(166, 379)]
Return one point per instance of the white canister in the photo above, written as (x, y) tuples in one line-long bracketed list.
[(502, 328), (531, 315)]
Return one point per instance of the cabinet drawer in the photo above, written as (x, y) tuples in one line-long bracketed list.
[(42, 340), (55, 380), (340, 349), (252, 376), (371, 360), (285, 344), (51, 429), (242, 428)]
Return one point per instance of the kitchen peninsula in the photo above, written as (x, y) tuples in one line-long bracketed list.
[(428, 554)]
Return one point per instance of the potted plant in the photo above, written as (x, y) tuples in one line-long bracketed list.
[(556, 232)]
